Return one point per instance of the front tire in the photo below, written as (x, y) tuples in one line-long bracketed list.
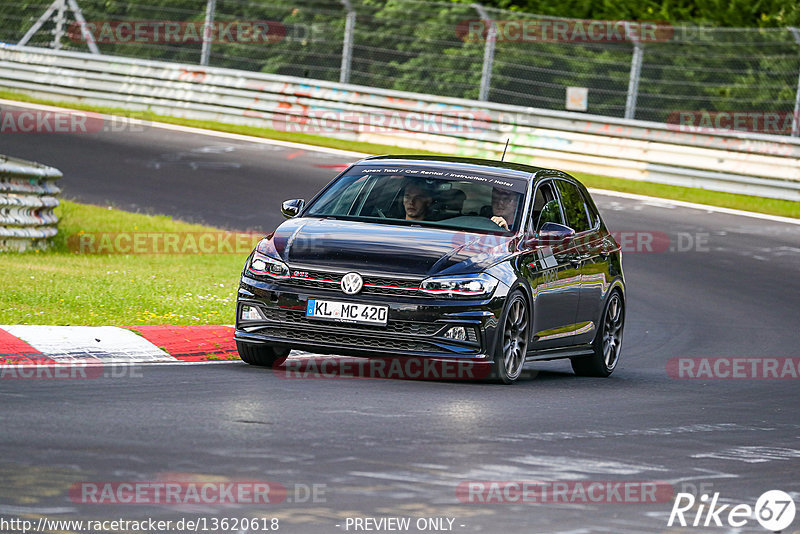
[(512, 342), (261, 355), (607, 341)]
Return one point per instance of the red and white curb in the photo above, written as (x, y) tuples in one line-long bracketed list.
[(44, 344)]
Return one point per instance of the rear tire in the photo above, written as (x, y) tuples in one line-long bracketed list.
[(607, 341), (261, 355)]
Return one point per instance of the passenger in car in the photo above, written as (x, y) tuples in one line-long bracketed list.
[(504, 207)]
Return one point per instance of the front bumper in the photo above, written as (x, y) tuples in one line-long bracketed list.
[(415, 326)]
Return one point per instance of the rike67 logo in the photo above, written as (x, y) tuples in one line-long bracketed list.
[(774, 510)]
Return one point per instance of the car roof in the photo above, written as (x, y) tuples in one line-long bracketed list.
[(517, 170)]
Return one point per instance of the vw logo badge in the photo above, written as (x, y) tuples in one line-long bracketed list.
[(352, 283)]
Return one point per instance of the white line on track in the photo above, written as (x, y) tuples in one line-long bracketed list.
[(347, 153), (692, 205)]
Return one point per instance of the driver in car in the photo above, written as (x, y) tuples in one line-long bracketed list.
[(417, 200)]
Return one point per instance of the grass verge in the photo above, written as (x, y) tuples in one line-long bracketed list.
[(60, 286), (785, 208)]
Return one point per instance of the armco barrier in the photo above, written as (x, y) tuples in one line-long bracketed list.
[(27, 198), (738, 162)]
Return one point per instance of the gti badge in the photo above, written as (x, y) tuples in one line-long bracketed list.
[(352, 283)]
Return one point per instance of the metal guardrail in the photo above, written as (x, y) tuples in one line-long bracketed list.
[(737, 162), (27, 199), (644, 70)]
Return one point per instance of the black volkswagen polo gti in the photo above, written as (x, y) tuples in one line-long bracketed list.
[(442, 258)]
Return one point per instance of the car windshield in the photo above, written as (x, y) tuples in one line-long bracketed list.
[(430, 197)]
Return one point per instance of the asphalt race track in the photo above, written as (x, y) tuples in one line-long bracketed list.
[(400, 448)]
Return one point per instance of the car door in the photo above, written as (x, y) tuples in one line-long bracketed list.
[(588, 243), (553, 272)]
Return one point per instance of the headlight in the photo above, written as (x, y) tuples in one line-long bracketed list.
[(262, 265), (471, 285)]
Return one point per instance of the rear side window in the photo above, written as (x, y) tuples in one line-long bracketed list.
[(591, 209), (574, 207)]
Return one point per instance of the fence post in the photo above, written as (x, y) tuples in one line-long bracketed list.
[(795, 117), (488, 52), (205, 53), (636, 71), (347, 45), (61, 18), (85, 33)]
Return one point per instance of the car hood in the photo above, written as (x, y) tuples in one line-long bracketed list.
[(385, 248)]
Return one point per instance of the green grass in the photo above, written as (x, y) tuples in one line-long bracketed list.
[(61, 286), (770, 206)]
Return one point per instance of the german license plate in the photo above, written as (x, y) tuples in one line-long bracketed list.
[(347, 312)]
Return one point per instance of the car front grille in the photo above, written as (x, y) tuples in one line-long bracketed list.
[(298, 317), (349, 339), (374, 285)]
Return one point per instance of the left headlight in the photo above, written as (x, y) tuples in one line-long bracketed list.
[(466, 286), (262, 265)]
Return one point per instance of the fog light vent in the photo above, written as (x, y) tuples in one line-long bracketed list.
[(461, 333), (250, 313)]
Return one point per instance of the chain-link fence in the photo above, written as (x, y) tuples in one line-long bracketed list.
[(633, 70)]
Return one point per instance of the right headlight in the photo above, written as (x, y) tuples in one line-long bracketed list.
[(464, 286), (261, 265)]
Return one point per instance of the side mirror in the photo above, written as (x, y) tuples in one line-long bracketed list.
[(556, 232), (291, 208)]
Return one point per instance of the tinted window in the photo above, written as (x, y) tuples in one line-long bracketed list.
[(435, 197), (545, 207), (574, 208), (594, 215)]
